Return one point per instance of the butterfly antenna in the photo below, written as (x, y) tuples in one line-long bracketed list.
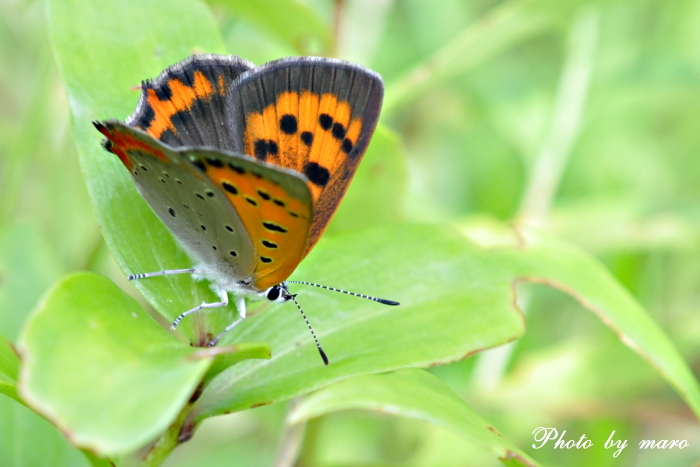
[(318, 345), (374, 299)]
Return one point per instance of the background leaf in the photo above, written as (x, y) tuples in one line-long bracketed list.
[(409, 393), (27, 440), (381, 176), (290, 21), (101, 369)]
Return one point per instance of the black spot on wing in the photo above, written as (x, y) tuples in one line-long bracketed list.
[(272, 147), (163, 93), (236, 168), (288, 124), (307, 137), (260, 149), (338, 131), (326, 121), (317, 174), (272, 227), (146, 118), (229, 187), (200, 165)]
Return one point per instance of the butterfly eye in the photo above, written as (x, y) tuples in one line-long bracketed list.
[(273, 293), (278, 294)]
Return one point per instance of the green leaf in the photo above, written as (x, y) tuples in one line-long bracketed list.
[(103, 49), (9, 369), (542, 259), (288, 20), (457, 298), (381, 176), (101, 369), (234, 354), (409, 393), (452, 301), (28, 440)]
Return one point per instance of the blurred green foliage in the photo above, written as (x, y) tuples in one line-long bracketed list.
[(479, 93)]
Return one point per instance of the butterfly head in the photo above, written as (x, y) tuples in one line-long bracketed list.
[(278, 293)]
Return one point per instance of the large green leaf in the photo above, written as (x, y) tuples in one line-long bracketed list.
[(457, 298), (453, 303), (101, 369), (410, 393), (103, 49)]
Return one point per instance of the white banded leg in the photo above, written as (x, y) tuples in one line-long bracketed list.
[(240, 304), (223, 295), (165, 272)]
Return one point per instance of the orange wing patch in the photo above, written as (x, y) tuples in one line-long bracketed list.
[(278, 222), (182, 98), (121, 143), (310, 133)]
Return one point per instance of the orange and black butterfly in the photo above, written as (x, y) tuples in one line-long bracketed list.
[(247, 165)]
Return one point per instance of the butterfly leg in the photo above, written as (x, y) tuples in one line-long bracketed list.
[(165, 272), (224, 301), (240, 304)]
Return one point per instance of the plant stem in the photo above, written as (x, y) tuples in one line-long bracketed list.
[(338, 15), (505, 25), (565, 122), (551, 161), (292, 437), (167, 442)]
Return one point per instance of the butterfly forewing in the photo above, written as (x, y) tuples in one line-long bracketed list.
[(312, 115), (236, 216), (184, 105)]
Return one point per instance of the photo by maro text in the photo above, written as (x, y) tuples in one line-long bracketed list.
[(551, 437)]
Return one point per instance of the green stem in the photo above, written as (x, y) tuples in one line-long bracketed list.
[(553, 156), (565, 122), (167, 442), (292, 438)]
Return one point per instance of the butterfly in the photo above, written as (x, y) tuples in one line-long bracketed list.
[(247, 165)]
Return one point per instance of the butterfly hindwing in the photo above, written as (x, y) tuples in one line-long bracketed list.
[(312, 115), (275, 207), (240, 218), (184, 105)]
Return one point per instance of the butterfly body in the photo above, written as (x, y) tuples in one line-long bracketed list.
[(247, 165)]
